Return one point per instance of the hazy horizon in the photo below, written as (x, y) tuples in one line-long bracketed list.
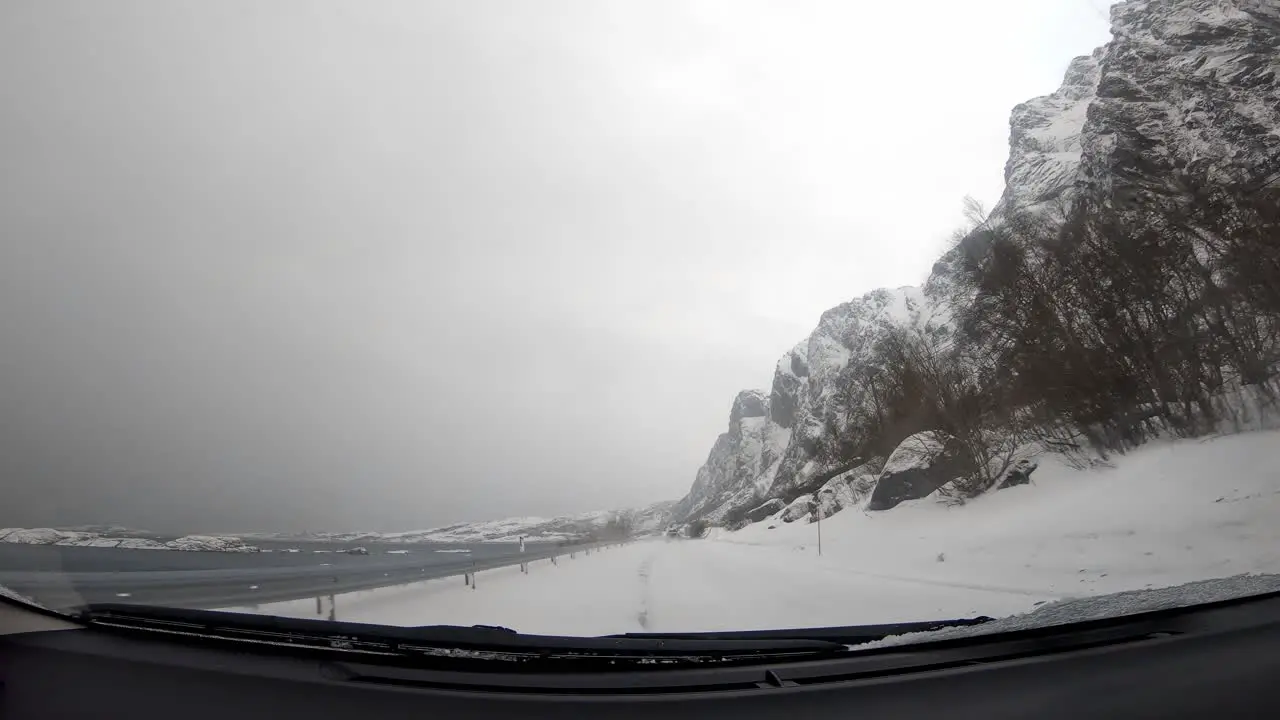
[(394, 265)]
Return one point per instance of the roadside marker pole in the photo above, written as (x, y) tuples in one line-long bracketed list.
[(819, 533)]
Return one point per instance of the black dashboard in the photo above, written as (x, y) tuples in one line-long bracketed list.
[(1214, 661)]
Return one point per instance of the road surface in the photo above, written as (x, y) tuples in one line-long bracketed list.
[(675, 586)]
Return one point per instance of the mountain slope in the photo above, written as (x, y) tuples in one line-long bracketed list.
[(1185, 93)]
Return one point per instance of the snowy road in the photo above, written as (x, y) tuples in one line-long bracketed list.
[(1161, 516), (661, 586)]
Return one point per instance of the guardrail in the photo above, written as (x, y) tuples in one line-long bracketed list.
[(253, 586)]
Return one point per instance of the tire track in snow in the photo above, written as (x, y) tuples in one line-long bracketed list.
[(959, 585), (644, 571)]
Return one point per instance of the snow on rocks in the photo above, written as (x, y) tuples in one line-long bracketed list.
[(768, 508), (846, 490), (1019, 474), (210, 543), (34, 536), (920, 464), (799, 508), (779, 452), (124, 543), (75, 538)]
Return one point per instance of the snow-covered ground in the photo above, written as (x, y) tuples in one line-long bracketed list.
[(1164, 515)]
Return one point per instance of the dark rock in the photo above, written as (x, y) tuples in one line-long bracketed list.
[(748, 404), (1019, 474), (785, 398), (919, 465), (761, 512)]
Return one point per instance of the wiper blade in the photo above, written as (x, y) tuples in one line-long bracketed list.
[(846, 635), (483, 642)]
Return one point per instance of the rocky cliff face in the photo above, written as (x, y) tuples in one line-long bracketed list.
[(1186, 88), (742, 461), (786, 442)]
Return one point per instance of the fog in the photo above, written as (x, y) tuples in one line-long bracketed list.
[(389, 265)]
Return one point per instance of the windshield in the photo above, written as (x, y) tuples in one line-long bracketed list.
[(584, 318)]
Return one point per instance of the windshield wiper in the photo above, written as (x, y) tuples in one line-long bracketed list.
[(477, 642), (845, 635)]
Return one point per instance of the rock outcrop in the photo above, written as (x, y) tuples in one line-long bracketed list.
[(1019, 474), (846, 490), (767, 509), (920, 465), (738, 471), (798, 509)]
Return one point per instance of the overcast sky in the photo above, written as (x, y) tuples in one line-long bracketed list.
[(381, 264)]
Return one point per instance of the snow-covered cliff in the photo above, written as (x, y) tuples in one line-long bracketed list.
[(1185, 89)]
